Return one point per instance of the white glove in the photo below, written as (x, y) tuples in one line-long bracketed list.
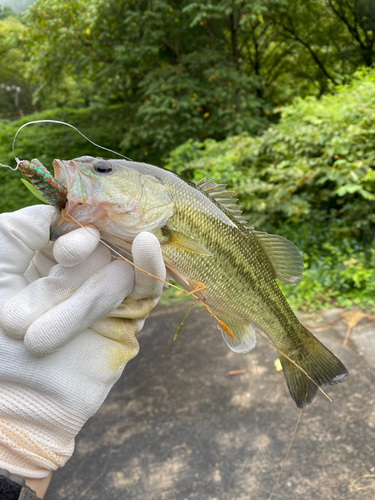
[(61, 347)]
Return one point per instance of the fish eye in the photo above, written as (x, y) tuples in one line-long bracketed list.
[(102, 167)]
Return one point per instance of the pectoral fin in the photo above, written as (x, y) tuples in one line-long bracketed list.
[(175, 238)]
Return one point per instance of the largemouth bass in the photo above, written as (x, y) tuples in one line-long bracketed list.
[(204, 238)]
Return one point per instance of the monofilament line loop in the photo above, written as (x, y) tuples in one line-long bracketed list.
[(67, 125), (8, 166)]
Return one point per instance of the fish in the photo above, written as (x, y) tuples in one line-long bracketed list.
[(204, 239)]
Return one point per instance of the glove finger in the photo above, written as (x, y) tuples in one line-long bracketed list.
[(135, 309), (41, 264), (119, 329), (21, 233), (33, 301), (147, 255), (73, 248), (99, 295), (43, 261)]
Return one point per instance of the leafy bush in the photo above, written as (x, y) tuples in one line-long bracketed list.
[(310, 178)]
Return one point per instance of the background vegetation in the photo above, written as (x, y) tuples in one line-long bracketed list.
[(277, 97), (310, 178)]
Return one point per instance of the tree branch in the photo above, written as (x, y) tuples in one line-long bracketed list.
[(312, 52)]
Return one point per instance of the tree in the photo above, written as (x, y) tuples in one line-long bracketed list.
[(334, 37), (5, 12), (358, 16), (175, 78), (315, 187), (183, 68), (15, 90)]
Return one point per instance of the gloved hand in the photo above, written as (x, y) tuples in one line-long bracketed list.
[(66, 334)]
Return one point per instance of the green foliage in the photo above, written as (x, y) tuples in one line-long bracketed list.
[(200, 69), (358, 16), (310, 178), (336, 276), (175, 81), (143, 77), (15, 91), (331, 39), (6, 12)]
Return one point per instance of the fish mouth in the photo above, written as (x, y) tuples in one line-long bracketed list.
[(60, 226), (78, 185), (60, 173), (78, 208)]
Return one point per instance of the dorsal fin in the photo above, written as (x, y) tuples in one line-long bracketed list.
[(223, 197), (283, 255)]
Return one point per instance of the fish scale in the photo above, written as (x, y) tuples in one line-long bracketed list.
[(240, 264), (203, 238)]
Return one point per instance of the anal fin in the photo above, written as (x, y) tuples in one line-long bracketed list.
[(244, 332)]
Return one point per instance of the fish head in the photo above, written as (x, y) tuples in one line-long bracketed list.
[(113, 197)]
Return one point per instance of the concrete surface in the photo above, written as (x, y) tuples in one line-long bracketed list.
[(177, 426)]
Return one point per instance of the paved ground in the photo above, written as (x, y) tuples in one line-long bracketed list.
[(177, 426)]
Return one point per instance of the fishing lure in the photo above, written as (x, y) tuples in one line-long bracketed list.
[(46, 185)]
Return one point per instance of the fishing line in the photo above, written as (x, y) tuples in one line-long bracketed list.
[(67, 125), (70, 218), (295, 364), (8, 166), (58, 122), (197, 290), (104, 470), (256, 416), (287, 454)]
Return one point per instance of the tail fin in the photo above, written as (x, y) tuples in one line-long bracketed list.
[(321, 365)]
